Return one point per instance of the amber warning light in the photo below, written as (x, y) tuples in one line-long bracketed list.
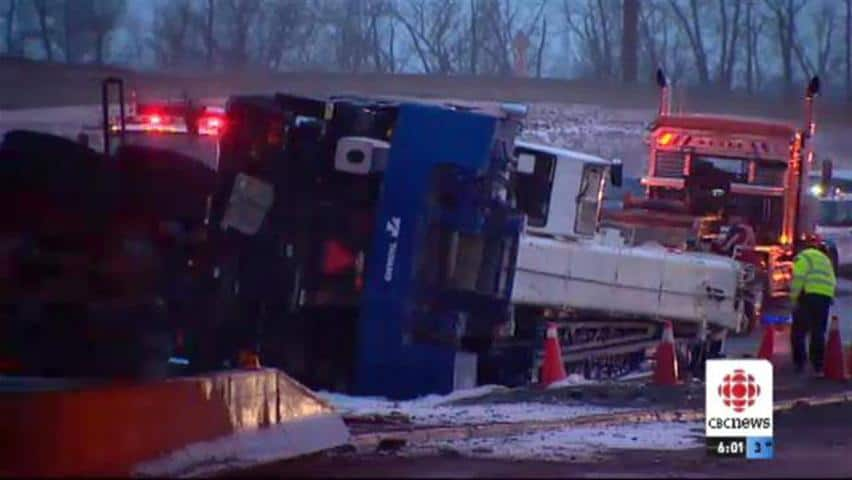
[(665, 139)]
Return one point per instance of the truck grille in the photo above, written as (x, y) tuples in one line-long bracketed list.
[(669, 165)]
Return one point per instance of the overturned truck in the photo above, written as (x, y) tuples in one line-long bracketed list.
[(371, 245), (395, 247)]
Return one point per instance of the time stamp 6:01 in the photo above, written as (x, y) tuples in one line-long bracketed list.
[(758, 448)]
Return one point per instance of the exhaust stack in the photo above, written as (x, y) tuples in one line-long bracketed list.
[(665, 93), (812, 91)]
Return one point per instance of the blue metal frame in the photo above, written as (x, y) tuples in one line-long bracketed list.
[(389, 363)]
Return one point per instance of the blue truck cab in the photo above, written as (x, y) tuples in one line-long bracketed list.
[(366, 244)]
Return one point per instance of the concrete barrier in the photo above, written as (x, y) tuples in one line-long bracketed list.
[(116, 429)]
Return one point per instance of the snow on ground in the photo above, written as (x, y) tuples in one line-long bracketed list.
[(572, 380), (573, 443), (295, 438), (436, 410)]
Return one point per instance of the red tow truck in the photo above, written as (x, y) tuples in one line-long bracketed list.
[(706, 172)]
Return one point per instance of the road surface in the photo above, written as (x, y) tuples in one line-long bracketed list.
[(739, 347), (810, 442)]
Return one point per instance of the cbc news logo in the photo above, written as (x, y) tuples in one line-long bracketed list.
[(739, 390), (739, 398)]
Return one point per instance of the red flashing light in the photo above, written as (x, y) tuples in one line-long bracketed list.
[(337, 259), (213, 124), (665, 139), (155, 119)]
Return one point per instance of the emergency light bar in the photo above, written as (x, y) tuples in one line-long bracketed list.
[(165, 118)]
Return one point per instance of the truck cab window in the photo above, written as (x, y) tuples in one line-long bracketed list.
[(533, 184), (736, 169), (588, 200)]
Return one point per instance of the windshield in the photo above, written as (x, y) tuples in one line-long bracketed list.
[(721, 169), (736, 169), (588, 200)]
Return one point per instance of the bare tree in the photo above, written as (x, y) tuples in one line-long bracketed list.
[(823, 27), (542, 42), (357, 31), (664, 43), (504, 20), (288, 31), (42, 9), (239, 17), (379, 24), (171, 34), (11, 16), (691, 25), (729, 32), (849, 50), (434, 27), (392, 60), (70, 22), (137, 35), (493, 48), (629, 40), (207, 26), (474, 37), (785, 13), (591, 23), (647, 16), (754, 25), (102, 20)]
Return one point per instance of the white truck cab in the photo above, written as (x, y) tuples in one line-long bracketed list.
[(561, 190), (565, 262)]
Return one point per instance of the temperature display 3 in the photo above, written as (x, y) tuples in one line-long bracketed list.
[(752, 448)]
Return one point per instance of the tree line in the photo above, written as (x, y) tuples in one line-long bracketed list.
[(749, 45)]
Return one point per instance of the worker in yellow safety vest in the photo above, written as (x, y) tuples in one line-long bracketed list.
[(812, 294)]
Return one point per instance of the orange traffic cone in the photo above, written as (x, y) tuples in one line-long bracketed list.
[(834, 362), (665, 372), (767, 345), (553, 370)]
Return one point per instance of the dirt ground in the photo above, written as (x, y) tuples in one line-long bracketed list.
[(811, 442)]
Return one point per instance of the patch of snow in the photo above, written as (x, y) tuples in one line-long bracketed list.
[(636, 376), (464, 394), (366, 405), (571, 443), (294, 438), (570, 381), (434, 409)]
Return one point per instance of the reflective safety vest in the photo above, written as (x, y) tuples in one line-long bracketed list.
[(812, 273)]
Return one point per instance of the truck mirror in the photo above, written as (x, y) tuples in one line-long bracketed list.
[(616, 173), (813, 87)]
